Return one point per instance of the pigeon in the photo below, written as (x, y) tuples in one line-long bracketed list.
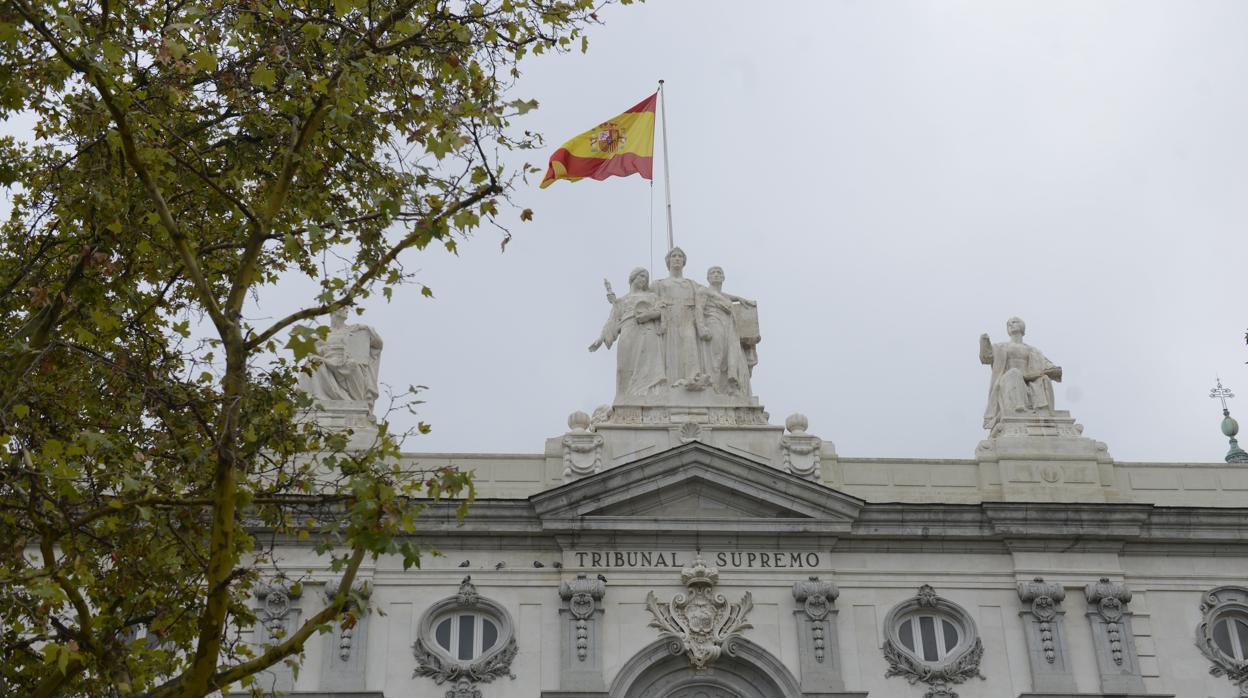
[(464, 563), (538, 564), (602, 578), (557, 565), (500, 565)]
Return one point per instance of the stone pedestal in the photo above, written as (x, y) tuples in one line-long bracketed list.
[(344, 415), (1044, 458), (622, 433)]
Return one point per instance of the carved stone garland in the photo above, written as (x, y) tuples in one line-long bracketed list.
[(960, 665), (1110, 598), (1044, 599), (1216, 605), (816, 598), (357, 603), (277, 600), (582, 596), (495, 662), (702, 624)]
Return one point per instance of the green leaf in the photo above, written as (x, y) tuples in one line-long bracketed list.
[(263, 76), (204, 60), (112, 52), (302, 342)]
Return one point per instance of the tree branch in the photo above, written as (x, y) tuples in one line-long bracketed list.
[(180, 241), (374, 270)]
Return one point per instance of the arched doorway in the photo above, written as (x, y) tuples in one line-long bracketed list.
[(748, 671)]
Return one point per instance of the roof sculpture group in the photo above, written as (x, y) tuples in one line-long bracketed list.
[(679, 339), (685, 354), (676, 336)]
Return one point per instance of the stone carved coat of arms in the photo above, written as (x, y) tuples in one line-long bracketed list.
[(701, 623)]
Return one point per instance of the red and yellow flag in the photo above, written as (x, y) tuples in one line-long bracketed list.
[(618, 147)]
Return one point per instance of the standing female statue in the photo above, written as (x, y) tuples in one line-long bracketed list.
[(637, 323), (682, 325), (722, 354)]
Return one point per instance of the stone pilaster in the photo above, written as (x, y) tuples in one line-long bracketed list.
[(342, 665), (580, 656), (277, 617), (818, 651), (1112, 639), (1043, 624)]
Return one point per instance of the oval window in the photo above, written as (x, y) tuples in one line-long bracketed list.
[(1230, 634), (466, 636), (929, 637)]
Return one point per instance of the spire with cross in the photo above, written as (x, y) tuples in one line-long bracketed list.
[(1230, 427)]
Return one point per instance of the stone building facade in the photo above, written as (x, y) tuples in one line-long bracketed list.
[(677, 544)]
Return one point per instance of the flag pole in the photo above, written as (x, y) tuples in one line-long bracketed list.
[(667, 175)]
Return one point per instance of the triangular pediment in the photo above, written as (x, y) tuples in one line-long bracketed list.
[(697, 499), (696, 487)]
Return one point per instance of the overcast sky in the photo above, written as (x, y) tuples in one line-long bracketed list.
[(888, 180)]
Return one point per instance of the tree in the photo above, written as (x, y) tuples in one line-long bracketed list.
[(187, 156)]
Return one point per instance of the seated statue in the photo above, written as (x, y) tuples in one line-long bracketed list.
[(1022, 379), (350, 357)]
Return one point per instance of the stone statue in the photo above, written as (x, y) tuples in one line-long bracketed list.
[(723, 355), (350, 357), (682, 324), (1022, 379), (637, 323)]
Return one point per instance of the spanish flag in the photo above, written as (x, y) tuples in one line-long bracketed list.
[(618, 147)]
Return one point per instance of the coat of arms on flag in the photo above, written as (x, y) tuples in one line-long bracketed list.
[(610, 138)]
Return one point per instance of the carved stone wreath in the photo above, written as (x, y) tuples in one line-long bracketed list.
[(961, 664), (437, 664), (1216, 605), (701, 623)]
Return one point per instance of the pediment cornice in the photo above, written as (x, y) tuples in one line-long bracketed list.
[(695, 486)]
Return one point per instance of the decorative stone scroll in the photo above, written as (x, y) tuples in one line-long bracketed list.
[(801, 452), (702, 624), (342, 668), (959, 664), (816, 636), (582, 448), (1046, 636), (1112, 637), (581, 658), (1224, 605)]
